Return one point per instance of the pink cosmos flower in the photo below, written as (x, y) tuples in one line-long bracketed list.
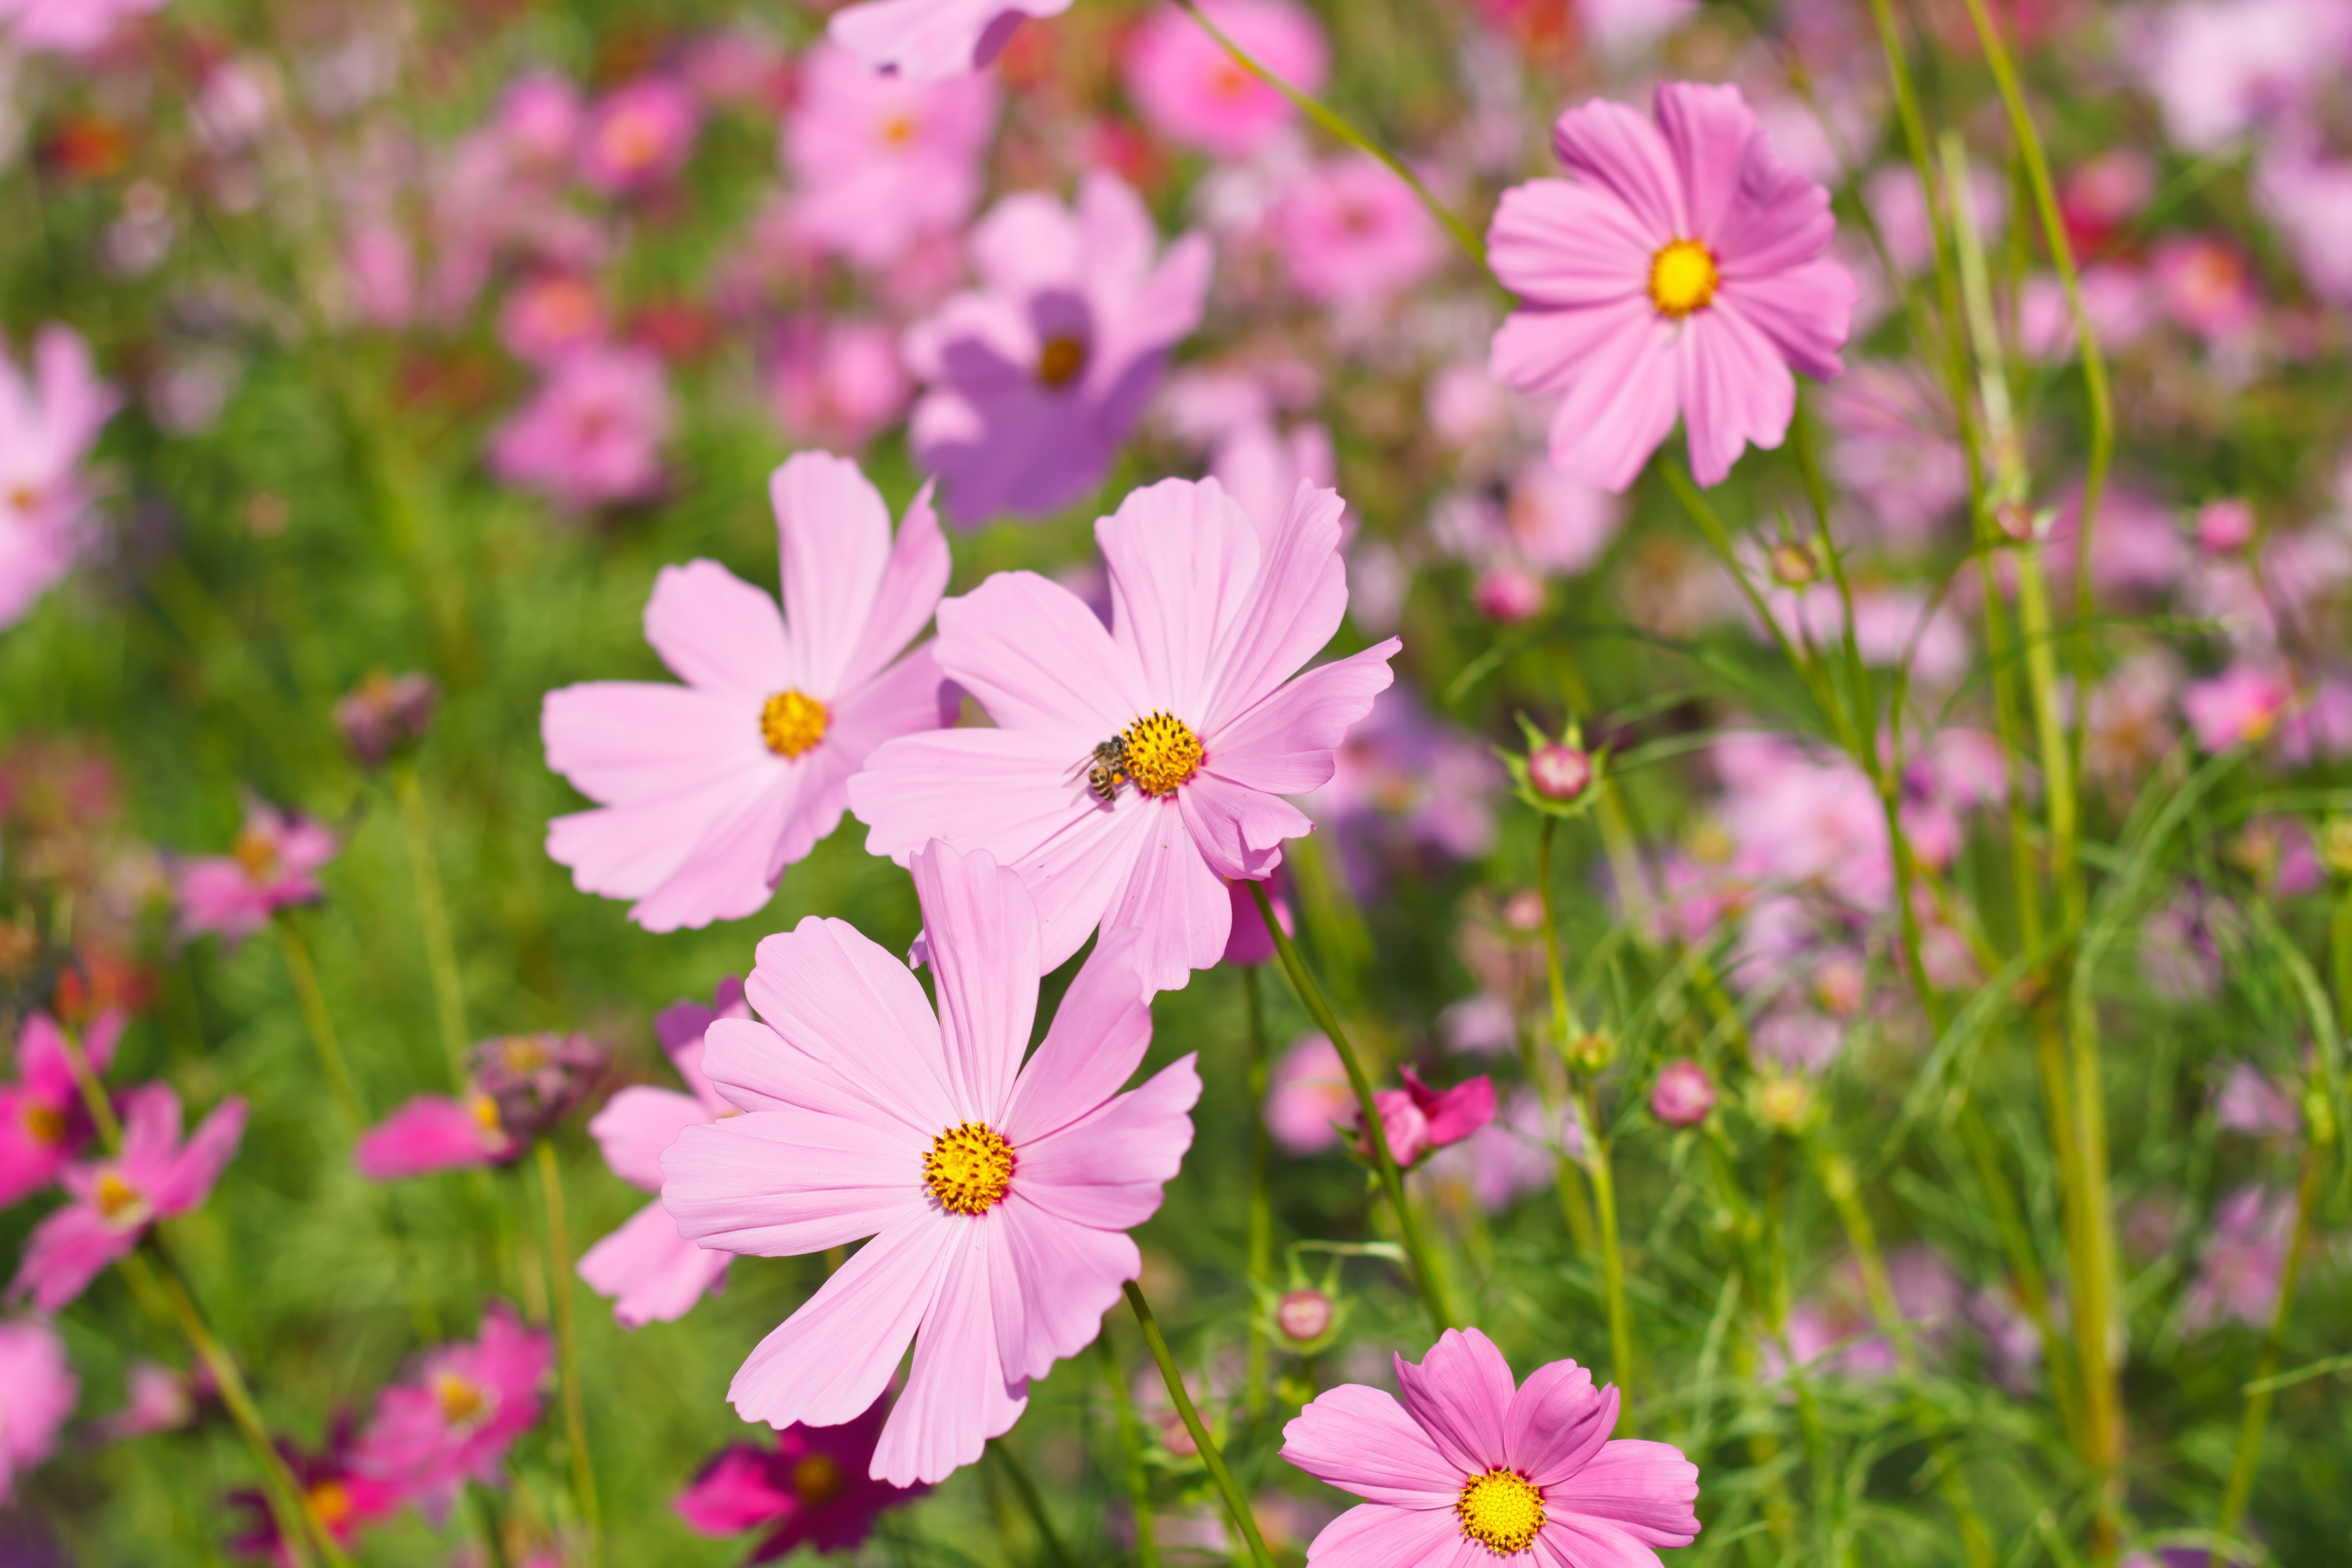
[(2242, 704), (591, 434), (43, 1121), (1190, 684), (1418, 1119), (2250, 1102), (2309, 196), (2225, 525), (454, 1421), (334, 1491), (638, 136), (2205, 285), (1190, 90), (2221, 68), (158, 1398), (37, 1389), (882, 162), (538, 119), (1683, 1094), (2241, 1263), (269, 867), (1406, 789), (1352, 234), (1310, 1099), (68, 26), (552, 316), (47, 424), (812, 1487), (708, 791), (435, 1132), (837, 382), (652, 1273), (154, 1177), (1679, 272), (1036, 378), (999, 1194), (1470, 1466)]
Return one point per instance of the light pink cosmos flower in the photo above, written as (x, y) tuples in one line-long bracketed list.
[(927, 40), (271, 865), (638, 136), (37, 1389), (1036, 377), (68, 26), (47, 424), (591, 434), (454, 1421), (1191, 91), (2242, 704), (837, 382), (1352, 234), (1680, 270), (881, 163), (2219, 69), (2242, 1262), (550, 317), (1470, 1466), (708, 791), (155, 1176), (436, 1133), (652, 1273), (1193, 679), (812, 1487), (1310, 1098), (998, 1194), (43, 1121), (538, 119), (2308, 195)]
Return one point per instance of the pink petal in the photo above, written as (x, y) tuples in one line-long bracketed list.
[(1708, 129), (982, 930), (1614, 368), (717, 631), (926, 40), (1239, 830), (1183, 558), (1644, 1489), (1106, 1170), (1172, 897), (833, 538), (829, 1361), (649, 1272), (638, 1124), (1094, 1045), (1569, 1541), (1037, 658), (1283, 744), (1557, 1422), (1735, 390), (1052, 1282), (957, 1394), (1296, 602), (630, 850), (1374, 1535), (65, 1251), (620, 742), (903, 699), (1560, 242), (1620, 149), (909, 591), (1805, 312), (150, 1127), (1461, 1394), (776, 1183), (847, 1008), (727, 873), (190, 1176), (431, 1132), (1361, 1440)]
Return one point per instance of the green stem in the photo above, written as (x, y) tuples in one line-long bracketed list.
[(1565, 1169), (321, 1026), (1235, 1503), (486, 1514), (1612, 1260), (1131, 1452), (1432, 1284), (433, 918), (1030, 1501), (561, 1286), (94, 1093), (2258, 1403), (1464, 235), (1261, 1200)]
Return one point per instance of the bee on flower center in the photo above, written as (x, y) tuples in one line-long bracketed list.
[(1105, 767)]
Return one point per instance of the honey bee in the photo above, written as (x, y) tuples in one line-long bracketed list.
[(1105, 767)]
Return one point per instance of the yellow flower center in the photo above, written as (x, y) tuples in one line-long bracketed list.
[(257, 853), (899, 130), (23, 498), (969, 1169), (1682, 279), (463, 1402), (119, 1202), (1161, 752), (46, 1125), (1501, 1511), (633, 140), (817, 1478), (330, 1502), (791, 723), (1060, 361), (486, 1113)]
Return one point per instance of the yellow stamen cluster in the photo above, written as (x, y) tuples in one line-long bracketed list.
[(969, 1168), (1682, 279), (791, 723), (46, 1125), (257, 853), (816, 1480), (1060, 361), (463, 1401), (118, 1200), (1161, 752), (330, 1502), (1500, 1510)]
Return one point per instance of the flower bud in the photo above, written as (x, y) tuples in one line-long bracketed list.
[(535, 1079), (1782, 1104), (1303, 1316), (1683, 1094), (386, 714), (1507, 594), (1559, 770), (1589, 1053), (2225, 526), (1523, 911), (1794, 564), (2335, 846)]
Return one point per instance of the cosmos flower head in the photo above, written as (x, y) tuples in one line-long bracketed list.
[(44, 1123), (1189, 90), (593, 433), (38, 1390), (882, 163), (812, 1488), (49, 420), (455, 1419)]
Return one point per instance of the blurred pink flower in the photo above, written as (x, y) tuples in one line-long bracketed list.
[(43, 1121), (638, 136), (1310, 1098), (1406, 789), (2242, 705), (708, 791), (2103, 193), (1894, 449), (2117, 298), (652, 1274), (1892, 196), (1804, 821), (1261, 468), (2225, 525), (1036, 379), (1417, 1120), (593, 433), (435, 1132), (48, 424), (1002, 1256), (926, 40), (2129, 721), (2309, 196), (836, 382), (2241, 1261), (270, 866), (2248, 1102), (1191, 91), (883, 161), (1513, 1154), (341, 1498), (1679, 273), (1683, 1094), (158, 1398), (454, 1421), (2205, 285), (155, 1176), (1622, 28), (813, 1486), (2221, 68), (68, 26), (1797, 1038), (538, 120), (2138, 550), (550, 316), (1352, 234), (38, 1389)]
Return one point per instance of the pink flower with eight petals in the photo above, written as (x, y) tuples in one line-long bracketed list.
[(1470, 1467), (708, 791), (43, 1122), (998, 1194), (1680, 270), (1190, 688), (47, 424), (269, 867), (812, 1487), (37, 1389), (456, 1420)]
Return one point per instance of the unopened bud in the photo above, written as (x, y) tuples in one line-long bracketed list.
[(1303, 1316), (1683, 1094), (1783, 1103), (2335, 846), (1523, 911), (1559, 770), (1589, 1052), (386, 713), (2016, 520), (1794, 564)]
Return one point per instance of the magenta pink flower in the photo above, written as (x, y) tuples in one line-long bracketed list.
[(837, 382), (68, 26), (435, 1132), (1190, 684), (925, 40), (1036, 378), (157, 1398), (2242, 705), (1190, 90), (1418, 1119), (812, 1487), (638, 136), (37, 1389), (1470, 1466), (998, 1194), (1679, 272), (1353, 236), (1311, 1097), (43, 1121), (337, 1494), (48, 425), (708, 791), (155, 1176), (883, 161), (1683, 1094), (270, 866), (653, 1274), (454, 1421), (591, 434)]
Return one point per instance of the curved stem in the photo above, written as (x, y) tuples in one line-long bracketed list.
[(1432, 1285), (1235, 1503), (321, 1025), (433, 918), (2258, 1403), (1131, 1452), (560, 1283)]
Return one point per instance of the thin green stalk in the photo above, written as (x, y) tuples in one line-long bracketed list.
[(94, 1093), (1030, 1501), (321, 1026), (561, 1284), (1235, 1503), (1573, 1207), (1131, 1452), (1553, 979), (433, 917), (2258, 1403), (1612, 1260), (1261, 1202), (1432, 1283), (486, 1514), (1464, 235)]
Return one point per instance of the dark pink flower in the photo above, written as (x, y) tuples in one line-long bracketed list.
[(43, 1121), (37, 1389), (1417, 1120), (1683, 1094), (435, 1132), (1191, 91), (154, 1177), (333, 1490), (593, 433), (455, 1419), (814, 1487), (638, 136), (386, 714), (1559, 771)]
